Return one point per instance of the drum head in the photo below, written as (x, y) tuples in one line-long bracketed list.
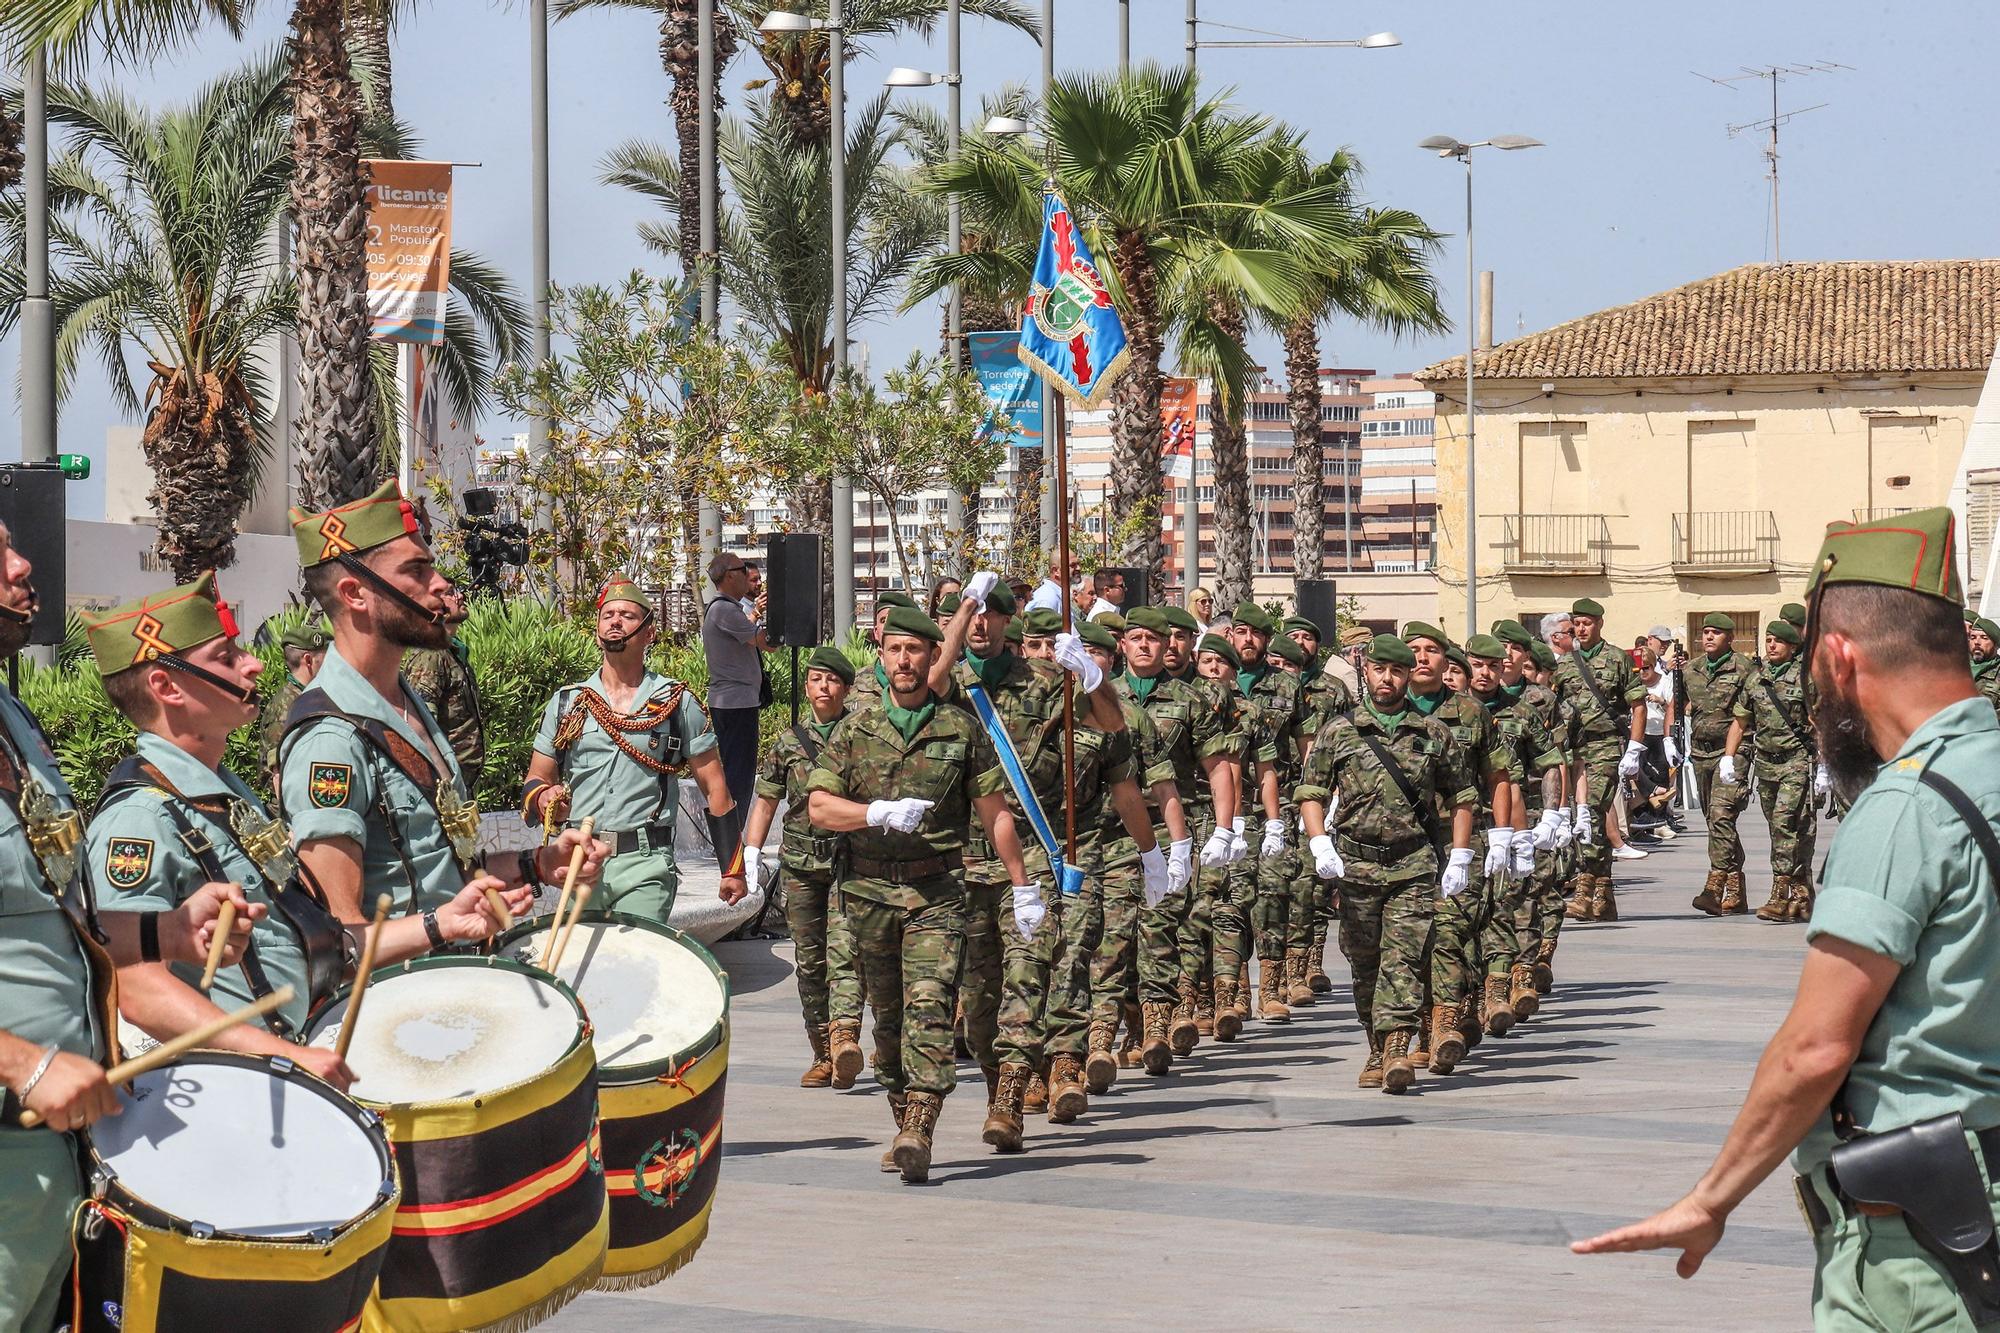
[(228, 1142), (451, 1028), (655, 998)]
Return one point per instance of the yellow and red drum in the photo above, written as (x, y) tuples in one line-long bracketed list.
[(659, 1012)]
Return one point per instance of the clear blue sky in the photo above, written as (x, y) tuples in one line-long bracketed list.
[(1639, 188)]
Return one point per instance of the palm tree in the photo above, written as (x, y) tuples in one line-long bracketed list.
[(11, 159)]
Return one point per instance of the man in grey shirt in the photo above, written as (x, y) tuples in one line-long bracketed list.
[(732, 640)]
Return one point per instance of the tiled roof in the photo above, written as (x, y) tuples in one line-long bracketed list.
[(1852, 317)]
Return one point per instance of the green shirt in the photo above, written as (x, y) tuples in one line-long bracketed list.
[(609, 785), (1904, 879)]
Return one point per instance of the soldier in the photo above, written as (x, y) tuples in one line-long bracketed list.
[(1220, 845), (1794, 614), (613, 748), (172, 817), (1539, 919), (1984, 637), (1235, 890), (369, 784), (1038, 634), (304, 646), (823, 948), (443, 679), (1267, 886), (868, 683), (1599, 682), (1775, 708), (1715, 683), (1372, 779), (902, 889), (1309, 910)]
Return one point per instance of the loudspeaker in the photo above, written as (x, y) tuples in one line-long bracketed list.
[(31, 505), (1319, 603), (793, 591), (1137, 585)]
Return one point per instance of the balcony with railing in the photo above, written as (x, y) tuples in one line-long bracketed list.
[(1882, 512), (1555, 544), (1720, 542)]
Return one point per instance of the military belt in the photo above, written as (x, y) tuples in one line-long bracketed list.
[(818, 846), (901, 872), (1825, 1204), (1378, 853), (655, 837)]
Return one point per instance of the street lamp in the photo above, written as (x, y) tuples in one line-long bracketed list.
[(1446, 146), (1263, 38), (1007, 126)]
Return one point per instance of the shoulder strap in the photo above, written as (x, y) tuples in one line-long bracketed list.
[(807, 741), (1792, 723), (1975, 819), (1582, 665), (1426, 817)]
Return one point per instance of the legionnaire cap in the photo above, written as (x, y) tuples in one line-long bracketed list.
[(1717, 620), (1454, 653), (1177, 617), (1587, 606), (1390, 650), (1255, 617), (1288, 648), (1016, 628), (1000, 599), (1096, 635), (948, 605), (1293, 623), (1795, 613), (1042, 622), (909, 620), (1221, 647), (896, 599), (157, 625), (308, 636), (1354, 634), (1915, 551), (1485, 645), (1784, 631), (1417, 629), (1545, 656), (623, 590), (360, 525), (832, 659), (1149, 618), (1509, 631)]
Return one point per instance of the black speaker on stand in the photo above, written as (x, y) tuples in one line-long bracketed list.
[(31, 505), (1138, 587), (1319, 602)]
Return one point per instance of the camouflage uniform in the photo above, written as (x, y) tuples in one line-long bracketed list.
[(1540, 917), (829, 986), (868, 687), (1113, 863), (903, 894), (1986, 679), (1236, 885), (1280, 703), (1198, 934), (1714, 687), (1784, 765), (1607, 727), (271, 722), (1480, 753), (443, 679), (1531, 752), (1325, 696)]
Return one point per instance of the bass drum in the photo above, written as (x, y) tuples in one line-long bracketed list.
[(235, 1192), (659, 1010)]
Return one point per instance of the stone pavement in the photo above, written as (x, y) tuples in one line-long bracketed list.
[(1257, 1189)]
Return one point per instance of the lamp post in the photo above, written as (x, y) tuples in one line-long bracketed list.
[(538, 208), (38, 326), (708, 518), (1049, 404), (1446, 146)]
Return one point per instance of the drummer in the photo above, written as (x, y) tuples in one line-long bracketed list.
[(613, 748), (368, 782), (55, 1021), (172, 817)]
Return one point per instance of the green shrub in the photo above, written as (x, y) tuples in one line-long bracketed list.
[(522, 652)]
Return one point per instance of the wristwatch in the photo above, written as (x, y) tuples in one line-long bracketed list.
[(431, 930), (531, 873)]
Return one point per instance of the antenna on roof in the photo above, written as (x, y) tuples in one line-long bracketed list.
[(1775, 74)]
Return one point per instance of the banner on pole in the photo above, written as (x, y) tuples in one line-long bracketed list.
[(1070, 332), (1008, 384), (1177, 427), (409, 248)]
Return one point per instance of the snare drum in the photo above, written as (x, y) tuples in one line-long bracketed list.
[(483, 1074), (659, 1007), (235, 1192)]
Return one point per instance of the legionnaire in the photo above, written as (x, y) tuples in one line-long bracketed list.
[(613, 748), (1220, 846), (1984, 637), (304, 646), (1235, 890), (1794, 614), (368, 783), (869, 681), (1539, 912), (1277, 698), (443, 679), (1328, 686), (1885, 1076), (1038, 634), (901, 885), (57, 953), (1715, 684), (1599, 682), (823, 948), (1366, 802), (172, 818), (1775, 707)]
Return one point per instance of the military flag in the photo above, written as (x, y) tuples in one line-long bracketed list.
[(1070, 332)]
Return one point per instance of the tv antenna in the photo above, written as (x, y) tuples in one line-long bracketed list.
[(1774, 75)]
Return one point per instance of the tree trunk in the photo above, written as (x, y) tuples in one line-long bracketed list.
[(198, 441), (336, 423), (368, 45), (680, 56), (1136, 491), (1228, 447), (1026, 533), (12, 160), (1308, 458)]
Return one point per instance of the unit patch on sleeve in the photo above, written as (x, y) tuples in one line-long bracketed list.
[(329, 784), (127, 860)]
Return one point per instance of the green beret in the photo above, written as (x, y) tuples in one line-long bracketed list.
[(1293, 623), (902, 599), (622, 589), (157, 624), (1389, 649), (1454, 653), (308, 636), (1510, 631), (1545, 656), (829, 658), (1179, 618), (909, 620), (1793, 612), (1285, 646), (1417, 629), (1717, 620), (1113, 622), (1001, 599), (1149, 618), (1988, 628), (1485, 645), (1917, 551), (1587, 606), (1255, 617), (1042, 622), (1221, 647), (948, 605), (1783, 631), (1970, 615), (1016, 628), (1097, 636), (361, 525)]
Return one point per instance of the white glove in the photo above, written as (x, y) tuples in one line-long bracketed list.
[(1153, 865), (1028, 909), (1548, 830), (1499, 852), (1238, 848), (1456, 879), (1628, 767), (1524, 854), (978, 586), (1217, 851), (1673, 751), (1579, 819), (1073, 657), (1326, 861), (1180, 864), (1274, 838), (753, 866), (902, 815), (1822, 784), (1726, 770)]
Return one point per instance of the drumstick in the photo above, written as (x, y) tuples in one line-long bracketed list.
[(562, 940), (575, 865), (223, 925), (361, 978), (500, 909), (167, 1052)]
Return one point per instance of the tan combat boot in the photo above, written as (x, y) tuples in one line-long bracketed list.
[(1067, 1099), (896, 1105), (1497, 1014), (1447, 1042), (1154, 1052), (1578, 906), (1002, 1130), (844, 1046), (1397, 1071), (1100, 1071), (1204, 1006), (1545, 966), (912, 1148), (1128, 1044), (1801, 904), (1709, 900), (1242, 991), (1228, 1025), (1316, 976), (1298, 993), (1521, 996), (820, 1073), (1037, 1096), (1468, 1019), (1270, 991), (1603, 899), (1778, 908), (1733, 895), (1371, 1072), (1420, 1049), (992, 1074), (1184, 1032)]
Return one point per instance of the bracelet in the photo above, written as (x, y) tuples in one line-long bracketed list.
[(149, 937), (431, 930), (49, 1054), (531, 873)]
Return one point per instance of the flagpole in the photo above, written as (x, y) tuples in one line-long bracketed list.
[(1061, 429)]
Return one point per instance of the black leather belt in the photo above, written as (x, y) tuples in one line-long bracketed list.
[(1820, 1217), (656, 837), (900, 872), (1376, 853)]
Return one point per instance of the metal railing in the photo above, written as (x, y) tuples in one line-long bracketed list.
[(1555, 543), (1889, 511), (1726, 539)]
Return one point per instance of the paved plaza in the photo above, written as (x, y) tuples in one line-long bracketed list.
[(1258, 1189)]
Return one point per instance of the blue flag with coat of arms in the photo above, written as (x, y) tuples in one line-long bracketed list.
[(1070, 331)]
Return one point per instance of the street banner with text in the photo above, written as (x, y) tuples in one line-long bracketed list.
[(1008, 384), (409, 248), (1177, 427)]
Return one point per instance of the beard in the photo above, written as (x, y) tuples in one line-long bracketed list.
[(1844, 744), (406, 629)]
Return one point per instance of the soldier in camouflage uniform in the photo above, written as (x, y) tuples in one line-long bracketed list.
[(1775, 707), (1217, 790), (1598, 680), (1234, 893), (1538, 914), (1268, 885), (1983, 636), (443, 679), (904, 781), (1326, 694), (1555, 871), (304, 646), (868, 681), (1362, 830), (823, 947), (1715, 684)]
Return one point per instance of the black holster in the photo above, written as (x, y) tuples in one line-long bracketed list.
[(1928, 1170)]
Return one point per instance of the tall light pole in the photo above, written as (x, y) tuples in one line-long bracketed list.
[(1446, 146), (38, 324), (1124, 35), (538, 172), (1048, 395), (708, 519)]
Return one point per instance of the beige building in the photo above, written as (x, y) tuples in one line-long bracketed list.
[(1684, 454)]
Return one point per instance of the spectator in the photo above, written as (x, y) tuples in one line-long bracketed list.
[(943, 588), (1655, 784), (1107, 593), (753, 600), (1048, 595), (1201, 605), (1556, 632), (731, 639)]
